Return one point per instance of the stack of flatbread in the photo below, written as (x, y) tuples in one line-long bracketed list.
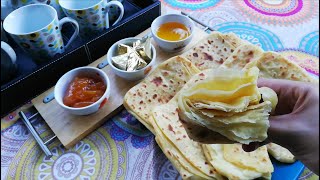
[(227, 102), (154, 102)]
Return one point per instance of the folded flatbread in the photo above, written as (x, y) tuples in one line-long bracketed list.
[(185, 153), (213, 50), (226, 102), (243, 55), (231, 161), (158, 88), (275, 66)]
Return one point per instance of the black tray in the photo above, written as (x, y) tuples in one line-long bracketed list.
[(32, 79)]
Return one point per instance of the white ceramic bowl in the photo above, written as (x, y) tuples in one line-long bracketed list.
[(64, 82), (172, 46), (134, 75)]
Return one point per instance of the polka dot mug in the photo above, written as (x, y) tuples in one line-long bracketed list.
[(93, 16), (36, 29)]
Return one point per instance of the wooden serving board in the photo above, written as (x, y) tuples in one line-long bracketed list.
[(70, 129)]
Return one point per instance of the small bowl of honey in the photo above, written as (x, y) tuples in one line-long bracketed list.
[(83, 90), (172, 32)]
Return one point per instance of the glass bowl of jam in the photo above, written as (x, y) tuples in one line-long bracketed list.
[(83, 91), (172, 32)]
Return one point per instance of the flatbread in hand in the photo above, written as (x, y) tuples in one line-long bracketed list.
[(227, 102), (158, 88)]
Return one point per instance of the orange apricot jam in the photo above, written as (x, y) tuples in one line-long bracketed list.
[(84, 91), (173, 31)]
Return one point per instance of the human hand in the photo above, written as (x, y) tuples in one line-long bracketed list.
[(295, 124)]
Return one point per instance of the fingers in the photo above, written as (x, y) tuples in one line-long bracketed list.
[(277, 84), (287, 91)]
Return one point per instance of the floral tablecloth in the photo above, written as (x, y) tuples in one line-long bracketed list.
[(123, 148)]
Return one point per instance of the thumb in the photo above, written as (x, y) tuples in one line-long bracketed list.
[(280, 129)]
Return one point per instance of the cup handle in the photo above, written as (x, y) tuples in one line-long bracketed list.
[(76, 32), (115, 3), (8, 49)]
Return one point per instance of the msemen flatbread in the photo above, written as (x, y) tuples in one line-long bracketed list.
[(243, 55), (158, 88), (227, 102), (211, 51), (233, 39), (176, 159), (170, 131), (231, 161), (274, 65)]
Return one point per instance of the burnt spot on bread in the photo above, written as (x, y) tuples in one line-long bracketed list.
[(149, 100), (141, 102), (165, 85), (201, 74), (184, 136), (165, 73), (201, 47), (209, 41), (232, 50), (195, 54), (171, 128), (220, 61), (154, 96), (201, 64), (169, 153), (157, 81)]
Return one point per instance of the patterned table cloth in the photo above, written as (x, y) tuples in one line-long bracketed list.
[(123, 148)]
